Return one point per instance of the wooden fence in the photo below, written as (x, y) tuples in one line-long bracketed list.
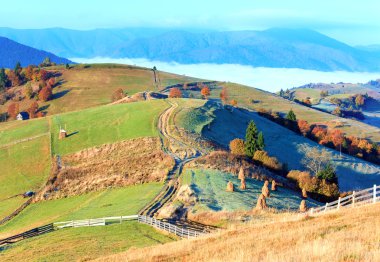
[(168, 227), (94, 221), (363, 197), (28, 234)]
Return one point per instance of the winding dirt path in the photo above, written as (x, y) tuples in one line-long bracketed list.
[(180, 151)]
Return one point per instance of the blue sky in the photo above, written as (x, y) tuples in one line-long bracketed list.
[(354, 22)]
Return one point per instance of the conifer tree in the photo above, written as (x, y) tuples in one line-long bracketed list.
[(251, 144), (291, 116), (260, 141)]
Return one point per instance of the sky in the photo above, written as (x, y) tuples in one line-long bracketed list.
[(354, 22)]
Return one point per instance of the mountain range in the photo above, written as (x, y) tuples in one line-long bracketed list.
[(12, 52), (281, 48)]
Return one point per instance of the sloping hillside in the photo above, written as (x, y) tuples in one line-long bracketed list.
[(350, 235), (12, 52)]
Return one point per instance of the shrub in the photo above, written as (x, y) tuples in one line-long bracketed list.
[(237, 147), (117, 95), (264, 159)]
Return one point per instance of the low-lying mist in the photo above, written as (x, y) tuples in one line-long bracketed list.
[(269, 79)]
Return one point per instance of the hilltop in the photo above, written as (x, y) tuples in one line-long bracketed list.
[(12, 52)]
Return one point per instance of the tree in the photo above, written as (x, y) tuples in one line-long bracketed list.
[(32, 110), (237, 147), (13, 110), (291, 116), (18, 68), (233, 103), (67, 66), (224, 95), (282, 93), (46, 62), (46, 93), (328, 173), (117, 95), (260, 141), (359, 100), (337, 137), (251, 139), (175, 93), (324, 93), (4, 81), (43, 75), (315, 159), (304, 127), (205, 92), (29, 71), (28, 90)]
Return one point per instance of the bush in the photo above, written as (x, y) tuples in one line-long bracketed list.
[(237, 147), (264, 159)]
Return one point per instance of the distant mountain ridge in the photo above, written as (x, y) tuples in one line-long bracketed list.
[(12, 52), (282, 48)]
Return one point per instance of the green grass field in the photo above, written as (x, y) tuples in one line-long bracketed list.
[(16, 130), (82, 244), (111, 202), (210, 186), (24, 166), (106, 124)]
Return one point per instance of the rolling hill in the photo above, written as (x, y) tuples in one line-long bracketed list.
[(12, 52), (284, 48)]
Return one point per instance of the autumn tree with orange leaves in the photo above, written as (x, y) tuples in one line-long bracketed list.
[(175, 93), (205, 92), (46, 93), (224, 95), (13, 110), (304, 127)]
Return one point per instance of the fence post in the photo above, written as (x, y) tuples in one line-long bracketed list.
[(312, 211), (353, 199), (121, 219), (326, 207), (338, 203), (374, 193)]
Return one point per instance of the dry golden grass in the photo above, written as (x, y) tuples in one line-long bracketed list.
[(350, 235), (120, 164)]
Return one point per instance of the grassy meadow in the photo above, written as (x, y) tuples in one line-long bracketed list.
[(82, 244), (210, 187), (24, 167), (110, 202), (106, 124)]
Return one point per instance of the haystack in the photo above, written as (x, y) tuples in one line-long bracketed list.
[(265, 190), (230, 187), (303, 206), (243, 185), (261, 202), (62, 134), (241, 174), (274, 185), (304, 193), (266, 183)]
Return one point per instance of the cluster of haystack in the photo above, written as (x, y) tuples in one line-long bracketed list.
[(265, 192)]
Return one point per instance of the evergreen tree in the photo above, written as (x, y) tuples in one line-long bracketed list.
[(18, 68), (251, 139), (282, 93), (328, 173), (291, 116), (260, 141), (67, 66), (3, 79)]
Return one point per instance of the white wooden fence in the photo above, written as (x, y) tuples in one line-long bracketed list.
[(179, 231), (363, 197), (94, 221), (171, 228)]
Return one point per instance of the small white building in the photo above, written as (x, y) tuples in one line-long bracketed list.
[(22, 116)]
